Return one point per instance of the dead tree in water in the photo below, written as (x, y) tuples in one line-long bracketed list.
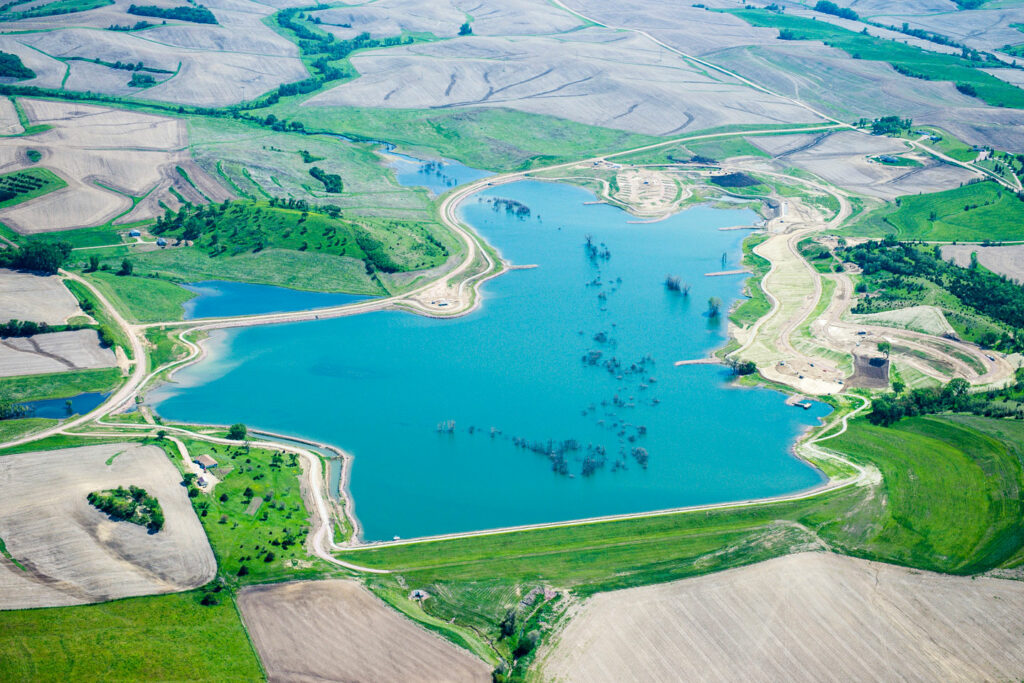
[(674, 283), (714, 307)]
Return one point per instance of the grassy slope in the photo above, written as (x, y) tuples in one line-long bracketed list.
[(142, 299), (999, 216), (59, 384), (167, 638), (749, 311), (12, 429), (933, 65), (481, 138)]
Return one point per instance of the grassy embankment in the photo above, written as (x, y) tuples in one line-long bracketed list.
[(59, 384), (142, 299), (950, 501), (91, 305), (912, 61), (757, 305)]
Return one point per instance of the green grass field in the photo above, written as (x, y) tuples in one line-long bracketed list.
[(165, 638), (142, 299), (21, 186), (12, 429), (908, 59), (283, 268), (59, 384), (493, 139), (996, 215)]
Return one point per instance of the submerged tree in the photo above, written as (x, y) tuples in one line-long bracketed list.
[(714, 307)]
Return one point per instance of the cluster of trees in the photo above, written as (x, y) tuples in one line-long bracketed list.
[(9, 410), (332, 181), (37, 255), (953, 397), (139, 25), (197, 14), (887, 125), (140, 80), (828, 7), (25, 328), (11, 66), (994, 295), (133, 504)]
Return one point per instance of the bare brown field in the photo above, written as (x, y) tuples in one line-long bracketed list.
[(1007, 260), (71, 552), (443, 18), (804, 617), (236, 59), (106, 156), (54, 352), (648, 90), (338, 631), (39, 298)]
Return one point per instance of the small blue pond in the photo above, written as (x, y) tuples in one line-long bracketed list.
[(59, 408)]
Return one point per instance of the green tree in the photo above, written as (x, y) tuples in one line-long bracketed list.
[(126, 267), (237, 431), (885, 347), (466, 29)]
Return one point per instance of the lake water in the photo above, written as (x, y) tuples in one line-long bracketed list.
[(450, 420), (216, 298), (57, 408), (436, 176)]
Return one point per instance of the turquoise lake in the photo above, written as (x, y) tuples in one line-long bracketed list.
[(216, 298), (521, 372)]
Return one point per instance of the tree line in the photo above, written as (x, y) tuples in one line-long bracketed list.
[(953, 397)]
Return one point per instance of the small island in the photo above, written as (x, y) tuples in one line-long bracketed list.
[(133, 504)]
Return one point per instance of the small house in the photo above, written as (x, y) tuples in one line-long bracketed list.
[(206, 462), (134, 233)]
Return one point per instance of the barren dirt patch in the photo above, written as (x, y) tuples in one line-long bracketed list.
[(806, 617), (338, 631), (39, 298), (71, 552), (54, 352)]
